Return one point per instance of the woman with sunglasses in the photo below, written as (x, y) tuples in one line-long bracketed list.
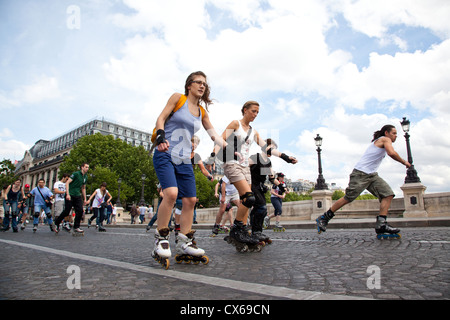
[(173, 166)]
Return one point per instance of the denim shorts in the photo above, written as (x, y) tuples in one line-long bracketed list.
[(359, 181), (170, 175), (39, 207)]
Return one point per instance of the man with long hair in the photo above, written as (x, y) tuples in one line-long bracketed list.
[(365, 176)]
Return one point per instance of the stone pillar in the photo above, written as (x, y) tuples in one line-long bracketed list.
[(414, 204), (119, 210), (322, 201)]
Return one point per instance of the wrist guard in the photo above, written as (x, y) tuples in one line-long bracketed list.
[(160, 136), (285, 158)]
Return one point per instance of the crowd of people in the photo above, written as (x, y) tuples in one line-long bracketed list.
[(174, 156)]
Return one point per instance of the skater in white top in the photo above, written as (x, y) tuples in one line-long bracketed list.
[(239, 135), (365, 176), (102, 199)]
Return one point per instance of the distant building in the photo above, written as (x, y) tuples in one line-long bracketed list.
[(45, 157), (300, 186)]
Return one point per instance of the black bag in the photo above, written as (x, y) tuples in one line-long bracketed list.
[(104, 204), (230, 151)]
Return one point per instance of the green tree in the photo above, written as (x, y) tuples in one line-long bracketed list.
[(337, 194), (110, 159), (6, 172), (205, 189)]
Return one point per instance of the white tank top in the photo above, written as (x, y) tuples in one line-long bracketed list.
[(245, 145), (99, 198), (371, 159)]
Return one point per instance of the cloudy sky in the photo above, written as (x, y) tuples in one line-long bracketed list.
[(338, 68)]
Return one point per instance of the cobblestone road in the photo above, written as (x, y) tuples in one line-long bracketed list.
[(299, 264)]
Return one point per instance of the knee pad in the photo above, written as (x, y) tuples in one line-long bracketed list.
[(36, 215), (248, 199)]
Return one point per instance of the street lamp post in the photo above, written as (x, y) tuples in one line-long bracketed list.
[(142, 201), (411, 173), (320, 185), (118, 203)]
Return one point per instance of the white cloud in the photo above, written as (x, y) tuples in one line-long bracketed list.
[(374, 18), (10, 148), (41, 89), (420, 78)]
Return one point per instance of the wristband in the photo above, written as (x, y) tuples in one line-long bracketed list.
[(285, 158), (160, 136)]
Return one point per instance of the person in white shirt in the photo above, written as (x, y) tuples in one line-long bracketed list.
[(102, 198), (59, 189), (365, 176)]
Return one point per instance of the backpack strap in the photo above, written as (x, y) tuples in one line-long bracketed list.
[(179, 104)]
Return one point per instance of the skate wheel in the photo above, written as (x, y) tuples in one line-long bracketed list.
[(244, 248), (205, 260), (166, 264)]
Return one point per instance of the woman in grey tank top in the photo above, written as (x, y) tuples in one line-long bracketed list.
[(174, 130)]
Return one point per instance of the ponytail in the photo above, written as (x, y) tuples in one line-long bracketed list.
[(380, 133)]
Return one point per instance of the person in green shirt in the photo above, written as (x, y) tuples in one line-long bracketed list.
[(75, 198)]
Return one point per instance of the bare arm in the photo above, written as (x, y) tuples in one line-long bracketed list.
[(160, 122), (218, 140), (67, 188), (233, 126), (387, 144)]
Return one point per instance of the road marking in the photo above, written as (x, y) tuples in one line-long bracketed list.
[(253, 288), (432, 241)]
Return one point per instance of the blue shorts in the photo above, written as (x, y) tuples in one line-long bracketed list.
[(170, 175), (39, 207)]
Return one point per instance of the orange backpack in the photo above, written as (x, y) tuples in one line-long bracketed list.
[(179, 104)]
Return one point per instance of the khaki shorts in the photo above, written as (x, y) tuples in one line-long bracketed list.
[(236, 172), (359, 181)]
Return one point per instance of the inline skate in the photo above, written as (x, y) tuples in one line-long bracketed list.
[(322, 221), (279, 228), (161, 252), (385, 231), (77, 232), (188, 251), (241, 239)]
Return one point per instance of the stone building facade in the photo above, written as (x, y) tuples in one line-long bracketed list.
[(45, 157)]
